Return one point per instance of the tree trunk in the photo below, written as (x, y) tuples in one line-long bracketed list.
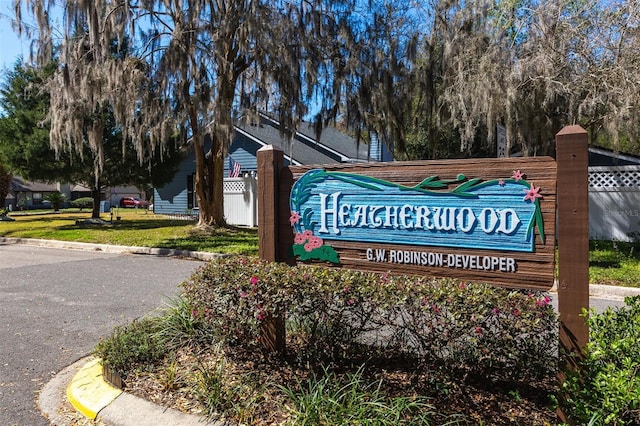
[(218, 187), (5, 185), (209, 185), (95, 193)]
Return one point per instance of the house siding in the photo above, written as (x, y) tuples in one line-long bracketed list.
[(378, 150), (244, 151), (172, 198)]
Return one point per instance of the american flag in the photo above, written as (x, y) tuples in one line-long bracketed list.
[(234, 168)]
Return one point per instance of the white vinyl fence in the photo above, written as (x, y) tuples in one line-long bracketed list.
[(241, 201), (614, 203)]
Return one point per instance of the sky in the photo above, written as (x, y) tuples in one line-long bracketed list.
[(11, 47)]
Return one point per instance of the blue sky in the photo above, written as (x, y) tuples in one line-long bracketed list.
[(11, 46)]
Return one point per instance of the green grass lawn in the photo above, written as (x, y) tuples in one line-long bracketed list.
[(135, 228), (612, 263)]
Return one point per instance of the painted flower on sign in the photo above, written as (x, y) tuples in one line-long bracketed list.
[(313, 243), (517, 175), (308, 246), (295, 218), (532, 193)]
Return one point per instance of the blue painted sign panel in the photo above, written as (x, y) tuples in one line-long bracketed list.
[(461, 213)]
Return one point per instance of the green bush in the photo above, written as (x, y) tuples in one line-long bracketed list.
[(605, 387), (135, 346), (333, 313), (83, 203), (56, 199), (181, 325)]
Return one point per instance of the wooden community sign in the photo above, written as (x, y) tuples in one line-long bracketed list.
[(486, 220)]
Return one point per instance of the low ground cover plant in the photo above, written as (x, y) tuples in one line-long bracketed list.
[(362, 348)]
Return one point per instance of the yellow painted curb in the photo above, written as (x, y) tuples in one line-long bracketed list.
[(88, 392)]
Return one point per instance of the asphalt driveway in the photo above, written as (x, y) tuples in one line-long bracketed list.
[(55, 304)]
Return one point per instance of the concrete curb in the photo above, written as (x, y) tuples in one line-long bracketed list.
[(612, 291), (108, 248), (88, 392), (97, 400)]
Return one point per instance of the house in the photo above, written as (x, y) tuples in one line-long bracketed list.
[(614, 195), (29, 195), (178, 196)]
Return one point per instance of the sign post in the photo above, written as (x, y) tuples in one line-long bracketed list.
[(573, 237)]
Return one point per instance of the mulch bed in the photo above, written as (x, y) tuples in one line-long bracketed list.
[(471, 400)]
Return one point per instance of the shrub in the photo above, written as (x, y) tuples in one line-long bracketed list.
[(83, 203), (605, 386), (132, 347), (332, 313), (56, 199), (182, 325)]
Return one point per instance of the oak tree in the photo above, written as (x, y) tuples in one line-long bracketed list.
[(192, 64)]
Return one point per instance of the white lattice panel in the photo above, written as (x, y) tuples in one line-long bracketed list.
[(234, 185), (614, 177)]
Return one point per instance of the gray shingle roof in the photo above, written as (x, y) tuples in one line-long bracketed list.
[(333, 147)]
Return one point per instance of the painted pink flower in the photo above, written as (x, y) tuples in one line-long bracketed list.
[(314, 243), (295, 218), (517, 175), (307, 234), (254, 280), (532, 193), (501, 182), (299, 238)]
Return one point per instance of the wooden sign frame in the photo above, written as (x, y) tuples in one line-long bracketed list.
[(559, 186)]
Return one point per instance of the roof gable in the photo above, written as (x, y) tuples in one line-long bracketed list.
[(605, 157), (333, 146)]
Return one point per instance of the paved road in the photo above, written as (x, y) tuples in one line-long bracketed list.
[(56, 304)]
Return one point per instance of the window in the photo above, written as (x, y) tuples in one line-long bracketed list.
[(37, 198), (192, 198)]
